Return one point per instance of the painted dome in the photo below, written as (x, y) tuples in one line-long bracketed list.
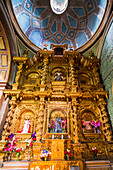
[(75, 26)]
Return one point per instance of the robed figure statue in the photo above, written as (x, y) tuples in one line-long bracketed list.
[(26, 127), (58, 125), (58, 76)]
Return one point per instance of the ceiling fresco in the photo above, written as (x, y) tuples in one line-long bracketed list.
[(75, 26)]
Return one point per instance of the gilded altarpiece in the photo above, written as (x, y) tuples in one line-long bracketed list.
[(61, 98)]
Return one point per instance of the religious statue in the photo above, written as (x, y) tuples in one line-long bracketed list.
[(58, 125), (58, 76), (26, 127)]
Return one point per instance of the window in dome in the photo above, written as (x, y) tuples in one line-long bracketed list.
[(58, 6)]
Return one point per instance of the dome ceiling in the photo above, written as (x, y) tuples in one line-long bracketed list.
[(75, 26)]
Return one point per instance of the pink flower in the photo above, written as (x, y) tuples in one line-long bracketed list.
[(98, 124), (9, 144), (94, 123), (5, 149)]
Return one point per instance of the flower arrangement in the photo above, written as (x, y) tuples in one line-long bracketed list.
[(11, 136), (83, 124), (51, 126), (10, 145), (29, 143), (94, 124), (63, 126), (95, 151), (33, 137), (68, 154), (31, 140), (7, 139), (18, 152), (44, 154)]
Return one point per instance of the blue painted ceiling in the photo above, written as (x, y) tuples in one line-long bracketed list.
[(74, 27)]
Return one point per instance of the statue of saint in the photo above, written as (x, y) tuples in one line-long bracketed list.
[(58, 125), (26, 127), (58, 76)]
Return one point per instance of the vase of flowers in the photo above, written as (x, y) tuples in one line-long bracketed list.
[(51, 126), (67, 154), (33, 136), (10, 145), (9, 157), (83, 125), (93, 125), (95, 151), (30, 142), (96, 125), (44, 154), (63, 126), (18, 153)]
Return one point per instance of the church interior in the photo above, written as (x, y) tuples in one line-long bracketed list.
[(56, 84)]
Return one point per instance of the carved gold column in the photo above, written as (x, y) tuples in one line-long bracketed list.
[(40, 121), (44, 72), (105, 121), (7, 126), (74, 119), (72, 72), (73, 79)]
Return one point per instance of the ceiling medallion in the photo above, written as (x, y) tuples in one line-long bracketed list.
[(59, 6)]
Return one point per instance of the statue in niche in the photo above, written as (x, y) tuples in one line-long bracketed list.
[(27, 126), (58, 125), (57, 122), (58, 76)]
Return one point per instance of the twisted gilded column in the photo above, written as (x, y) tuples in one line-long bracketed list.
[(40, 121), (105, 120), (74, 120), (7, 126), (72, 72), (77, 147), (44, 72)]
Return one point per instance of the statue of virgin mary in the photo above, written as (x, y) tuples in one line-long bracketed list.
[(26, 127), (58, 125)]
